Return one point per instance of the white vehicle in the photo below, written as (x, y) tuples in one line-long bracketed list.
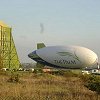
[(70, 57), (85, 72), (95, 71), (4, 69)]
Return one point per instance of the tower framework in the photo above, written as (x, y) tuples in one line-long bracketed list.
[(8, 53)]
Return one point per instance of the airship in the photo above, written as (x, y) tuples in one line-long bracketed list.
[(69, 57)]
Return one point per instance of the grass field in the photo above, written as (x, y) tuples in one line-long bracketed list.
[(44, 86)]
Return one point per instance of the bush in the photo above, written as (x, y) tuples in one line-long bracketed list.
[(36, 71), (94, 84), (60, 72), (85, 77), (65, 73), (14, 77)]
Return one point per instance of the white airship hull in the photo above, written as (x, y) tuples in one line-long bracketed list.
[(66, 56)]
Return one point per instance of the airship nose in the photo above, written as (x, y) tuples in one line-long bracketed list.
[(33, 55), (29, 55)]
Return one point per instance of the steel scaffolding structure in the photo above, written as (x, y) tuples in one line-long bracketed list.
[(8, 53)]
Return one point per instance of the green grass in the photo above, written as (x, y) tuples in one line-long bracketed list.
[(44, 86)]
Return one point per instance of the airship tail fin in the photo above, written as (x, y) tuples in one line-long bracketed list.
[(40, 45)]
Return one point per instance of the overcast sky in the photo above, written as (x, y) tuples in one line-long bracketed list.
[(54, 22)]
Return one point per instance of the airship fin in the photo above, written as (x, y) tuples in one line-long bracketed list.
[(40, 45)]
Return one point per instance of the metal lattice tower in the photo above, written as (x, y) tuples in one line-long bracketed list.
[(8, 53)]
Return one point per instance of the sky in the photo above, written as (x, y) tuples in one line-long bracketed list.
[(53, 22)]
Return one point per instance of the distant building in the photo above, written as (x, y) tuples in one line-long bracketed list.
[(46, 70)]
